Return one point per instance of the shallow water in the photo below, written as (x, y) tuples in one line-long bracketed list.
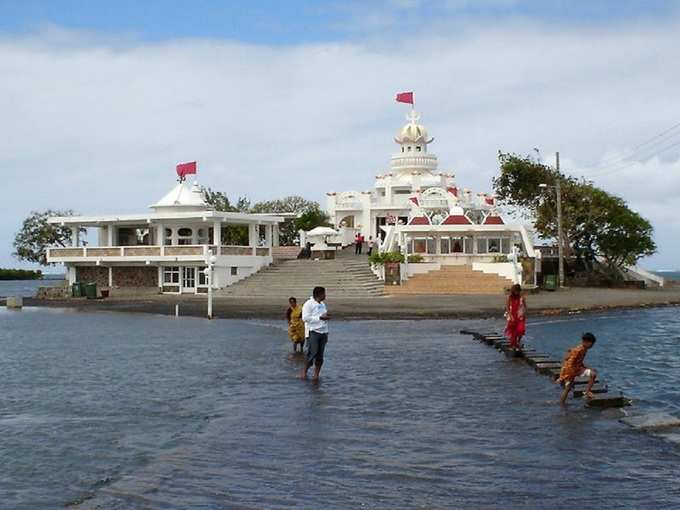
[(25, 288), (139, 411)]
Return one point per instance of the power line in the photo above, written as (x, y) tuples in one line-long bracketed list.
[(658, 139), (631, 163)]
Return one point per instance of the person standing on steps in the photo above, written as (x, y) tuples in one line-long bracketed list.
[(315, 316), (371, 244), (516, 314), (357, 244)]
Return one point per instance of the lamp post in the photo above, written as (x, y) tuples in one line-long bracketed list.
[(558, 194), (208, 271)]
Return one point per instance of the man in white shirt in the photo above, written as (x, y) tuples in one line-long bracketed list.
[(315, 317)]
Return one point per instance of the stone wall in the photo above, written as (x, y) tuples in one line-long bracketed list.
[(142, 276), (96, 274)]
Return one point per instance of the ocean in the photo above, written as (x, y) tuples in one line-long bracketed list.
[(134, 411), (25, 288)]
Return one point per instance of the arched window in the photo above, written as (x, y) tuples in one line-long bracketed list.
[(202, 236), (167, 240), (184, 235)]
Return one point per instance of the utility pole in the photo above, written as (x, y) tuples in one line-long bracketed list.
[(209, 272), (560, 243)]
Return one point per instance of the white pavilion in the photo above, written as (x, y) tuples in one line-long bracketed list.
[(417, 209), (167, 249)]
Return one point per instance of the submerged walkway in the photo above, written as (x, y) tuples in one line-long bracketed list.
[(393, 307), (603, 396)]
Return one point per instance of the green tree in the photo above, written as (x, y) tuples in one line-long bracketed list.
[(36, 235), (311, 218), (594, 222), (290, 204), (306, 213), (232, 235), (219, 201)]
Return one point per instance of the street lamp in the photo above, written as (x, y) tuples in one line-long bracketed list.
[(209, 272), (558, 194)]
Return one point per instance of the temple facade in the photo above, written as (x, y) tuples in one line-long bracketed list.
[(168, 248), (419, 210)]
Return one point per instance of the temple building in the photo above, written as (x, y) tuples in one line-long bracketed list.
[(167, 249), (419, 210)]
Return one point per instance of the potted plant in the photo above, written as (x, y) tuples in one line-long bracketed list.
[(391, 262)]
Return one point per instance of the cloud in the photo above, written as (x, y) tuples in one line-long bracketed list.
[(98, 125)]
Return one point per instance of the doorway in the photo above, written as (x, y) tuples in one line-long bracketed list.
[(189, 280)]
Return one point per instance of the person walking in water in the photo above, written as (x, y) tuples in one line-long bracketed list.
[(296, 328), (516, 313), (315, 316), (573, 367)]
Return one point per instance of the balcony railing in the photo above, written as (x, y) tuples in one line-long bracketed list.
[(187, 251)]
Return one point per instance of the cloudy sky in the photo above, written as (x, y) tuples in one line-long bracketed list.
[(100, 100)]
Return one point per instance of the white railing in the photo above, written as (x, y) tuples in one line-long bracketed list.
[(349, 205), (427, 161), (434, 203), (181, 250)]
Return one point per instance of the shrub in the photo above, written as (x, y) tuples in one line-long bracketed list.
[(380, 259)]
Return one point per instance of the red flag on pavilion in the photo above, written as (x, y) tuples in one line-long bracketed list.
[(184, 169), (405, 97)]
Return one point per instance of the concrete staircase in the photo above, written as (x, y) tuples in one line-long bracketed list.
[(460, 279), (347, 276)]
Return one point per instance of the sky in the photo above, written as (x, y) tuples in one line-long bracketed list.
[(100, 100)]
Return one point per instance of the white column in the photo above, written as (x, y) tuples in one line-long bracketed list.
[(252, 236), (71, 273), (268, 235), (217, 235), (160, 234), (109, 236), (75, 235), (110, 276), (275, 234), (160, 277)]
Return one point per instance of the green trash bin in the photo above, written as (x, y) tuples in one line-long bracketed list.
[(91, 291), (550, 282), (77, 289)]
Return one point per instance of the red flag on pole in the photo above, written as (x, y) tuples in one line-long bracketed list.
[(405, 97), (184, 169)]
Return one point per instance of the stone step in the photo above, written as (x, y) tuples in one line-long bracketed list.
[(545, 368), (597, 388), (607, 400)]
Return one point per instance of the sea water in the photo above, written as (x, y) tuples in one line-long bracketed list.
[(26, 288), (114, 411)]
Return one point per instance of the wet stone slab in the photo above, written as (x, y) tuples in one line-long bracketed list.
[(546, 368), (652, 421), (597, 388), (607, 400)]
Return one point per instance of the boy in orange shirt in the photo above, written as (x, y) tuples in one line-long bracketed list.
[(573, 367)]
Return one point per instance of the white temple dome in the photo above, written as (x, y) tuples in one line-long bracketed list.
[(413, 132), (183, 198)]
